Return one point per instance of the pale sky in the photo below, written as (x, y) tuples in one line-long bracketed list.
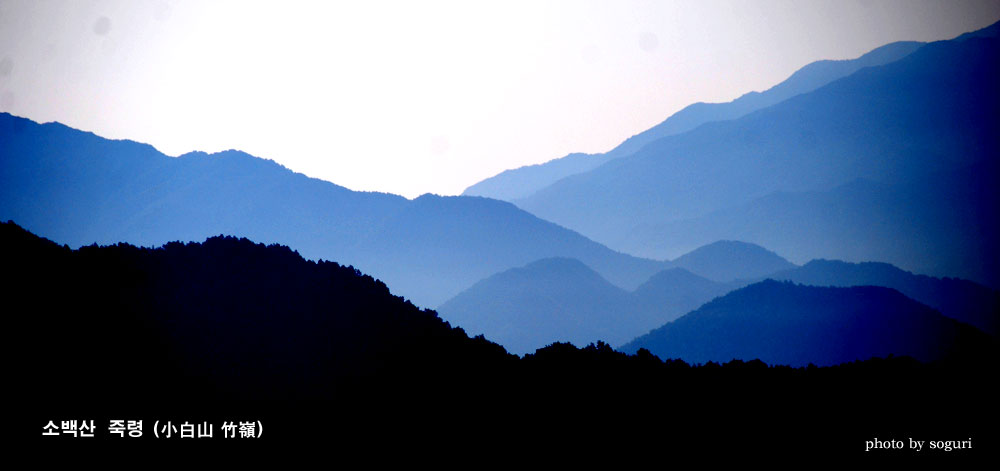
[(415, 97)]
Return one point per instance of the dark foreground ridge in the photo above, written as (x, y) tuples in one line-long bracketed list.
[(322, 354)]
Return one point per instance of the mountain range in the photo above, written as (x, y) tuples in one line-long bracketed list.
[(522, 182), (207, 282), (867, 163), (563, 300)]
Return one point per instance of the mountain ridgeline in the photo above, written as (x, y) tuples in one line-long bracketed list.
[(522, 182), (729, 260), (223, 318), (77, 188), (962, 300)]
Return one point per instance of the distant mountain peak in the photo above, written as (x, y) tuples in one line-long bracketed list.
[(562, 270), (675, 274), (548, 300), (728, 260)]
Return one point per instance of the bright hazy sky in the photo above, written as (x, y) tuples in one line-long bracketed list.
[(417, 96)]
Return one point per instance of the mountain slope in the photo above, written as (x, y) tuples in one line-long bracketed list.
[(524, 181), (961, 300), (784, 323), (934, 111), (728, 260), (78, 188), (226, 318)]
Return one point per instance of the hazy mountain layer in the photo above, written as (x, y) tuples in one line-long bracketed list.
[(728, 260), (563, 300), (942, 224), (524, 181), (77, 188), (933, 112), (962, 300)]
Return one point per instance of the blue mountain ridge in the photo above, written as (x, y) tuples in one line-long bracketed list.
[(522, 182), (785, 323)]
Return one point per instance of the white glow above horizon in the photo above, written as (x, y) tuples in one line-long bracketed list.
[(415, 97)]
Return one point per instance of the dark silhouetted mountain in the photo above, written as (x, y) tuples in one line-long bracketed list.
[(224, 318), (77, 188), (562, 299), (524, 181), (204, 331), (784, 323), (729, 260), (934, 111), (962, 300)]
